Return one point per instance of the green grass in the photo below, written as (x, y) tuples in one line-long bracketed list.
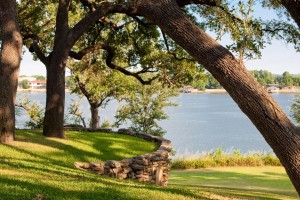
[(35, 165), (256, 179), (219, 158)]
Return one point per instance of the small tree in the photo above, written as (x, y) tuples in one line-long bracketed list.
[(75, 114), (34, 111), (98, 83), (145, 106), (25, 84), (295, 109)]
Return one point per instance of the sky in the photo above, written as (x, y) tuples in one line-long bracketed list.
[(276, 58)]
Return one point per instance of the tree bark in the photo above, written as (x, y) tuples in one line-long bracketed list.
[(95, 115), (56, 63), (10, 57), (53, 125), (250, 96), (293, 7)]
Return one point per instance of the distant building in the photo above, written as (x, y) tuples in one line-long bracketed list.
[(291, 88), (32, 83), (21, 79), (187, 89), (37, 84), (273, 85), (272, 89)]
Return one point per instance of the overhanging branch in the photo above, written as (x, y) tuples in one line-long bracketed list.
[(34, 47), (172, 53), (202, 2), (109, 62)]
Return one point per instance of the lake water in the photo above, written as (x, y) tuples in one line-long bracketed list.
[(202, 122)]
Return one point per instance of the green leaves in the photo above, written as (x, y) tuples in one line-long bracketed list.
[(295, 109), (144, 107)]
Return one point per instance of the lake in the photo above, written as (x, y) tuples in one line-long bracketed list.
[(202, 122)]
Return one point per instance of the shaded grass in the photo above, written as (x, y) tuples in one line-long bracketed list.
[(219, 158), (35, 165)]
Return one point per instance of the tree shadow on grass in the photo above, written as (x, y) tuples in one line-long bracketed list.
[(26, 190), (14, 189), (104, 145)]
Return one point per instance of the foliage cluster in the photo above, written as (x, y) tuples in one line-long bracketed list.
[(295, 109), (219, 158), (144, 107), (25, 84), (264, 77), (34, 111), (286, 79)]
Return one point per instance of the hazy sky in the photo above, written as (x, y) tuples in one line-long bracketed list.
[(276, 58)]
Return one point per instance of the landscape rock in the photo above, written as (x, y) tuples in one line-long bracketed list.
[(152, 167)]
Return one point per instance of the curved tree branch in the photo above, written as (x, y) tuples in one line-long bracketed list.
[(172, 53), (109, 62), (182, 3), (34, 47), (94, 16), (28, 34)]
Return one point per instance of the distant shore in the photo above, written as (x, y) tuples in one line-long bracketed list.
[(36, 90), (221, 91), (195, 91)]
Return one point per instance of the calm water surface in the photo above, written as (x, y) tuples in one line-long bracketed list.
[(202, 122)]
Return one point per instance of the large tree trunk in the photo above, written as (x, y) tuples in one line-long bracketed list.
[(250, 96), (293, 7), (56, 63), (55, 98), (11, 51), (94, 115)]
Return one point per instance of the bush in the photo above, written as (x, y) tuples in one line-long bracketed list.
[(219, 158)]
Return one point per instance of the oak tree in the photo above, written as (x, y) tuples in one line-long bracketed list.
[(10, 57)]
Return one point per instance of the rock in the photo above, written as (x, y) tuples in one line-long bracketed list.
[(107, 130), (126, 131), (94, 164), (113, 164), (141, 162), (137, 167), (157, 158), (122, 175), (127, 170), (159, 175), (73, 126)]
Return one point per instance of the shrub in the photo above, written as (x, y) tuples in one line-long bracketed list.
[(219, 158)]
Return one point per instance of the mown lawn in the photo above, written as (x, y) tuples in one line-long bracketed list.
[(264, 179), (35, 166)]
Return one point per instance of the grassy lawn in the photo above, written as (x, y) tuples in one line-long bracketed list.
[(257, 179), (35, 165)]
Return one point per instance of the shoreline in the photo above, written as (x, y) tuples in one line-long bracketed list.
[(36, 90), (223, 91), (207, 91)]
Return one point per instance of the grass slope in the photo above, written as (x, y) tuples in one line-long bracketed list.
[(35, 165)]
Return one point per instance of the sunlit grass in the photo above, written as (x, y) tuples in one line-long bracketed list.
[(35, 165), (256, 179)]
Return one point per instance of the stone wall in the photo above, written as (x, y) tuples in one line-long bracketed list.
[(151, 167)]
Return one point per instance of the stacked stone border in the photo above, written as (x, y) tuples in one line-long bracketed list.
[(151, 167)]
